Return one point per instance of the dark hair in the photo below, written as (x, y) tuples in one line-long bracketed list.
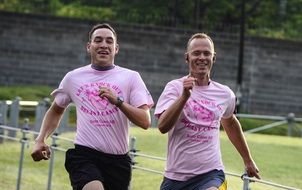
[(103, 25)]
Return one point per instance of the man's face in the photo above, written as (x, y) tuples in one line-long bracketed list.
[(103, 47), (200, 56)]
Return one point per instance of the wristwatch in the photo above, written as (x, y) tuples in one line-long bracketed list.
[(120, 101)]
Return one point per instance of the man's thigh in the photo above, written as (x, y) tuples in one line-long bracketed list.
[(94, 185), (81, 170), (222, 187)]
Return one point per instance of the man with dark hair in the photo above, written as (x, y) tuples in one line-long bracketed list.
[(190, 110), (107, 97)]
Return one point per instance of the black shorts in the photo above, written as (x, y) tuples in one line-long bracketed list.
[(214, 178), (85, 165)]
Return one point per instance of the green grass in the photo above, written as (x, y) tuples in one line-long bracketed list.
[(28, 93), (278, 158)]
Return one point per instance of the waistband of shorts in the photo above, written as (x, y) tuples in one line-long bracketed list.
[(94, 151)]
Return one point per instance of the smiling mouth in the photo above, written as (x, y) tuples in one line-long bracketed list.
[(201, 64), (103, 53)]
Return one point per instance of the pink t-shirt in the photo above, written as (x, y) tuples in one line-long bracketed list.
[(193, 143), (100, 124)]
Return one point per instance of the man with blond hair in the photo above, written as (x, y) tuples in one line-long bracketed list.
[(191, 110)]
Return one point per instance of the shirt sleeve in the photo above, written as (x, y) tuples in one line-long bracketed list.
[(231, 105), (61, 95), (139, 94), (166, 99)]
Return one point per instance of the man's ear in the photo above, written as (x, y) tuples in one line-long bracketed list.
[(117, 48), (214, 58), (187, 57), (88, 47)]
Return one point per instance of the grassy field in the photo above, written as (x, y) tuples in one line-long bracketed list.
[(279, 159)]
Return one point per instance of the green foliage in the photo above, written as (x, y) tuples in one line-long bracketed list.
[(76, 10), (276, 19), (31, 6)]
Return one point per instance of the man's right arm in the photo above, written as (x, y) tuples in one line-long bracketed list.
[(169, 117), (50, 123)]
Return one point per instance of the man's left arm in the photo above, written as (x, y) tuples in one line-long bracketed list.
[(234, 131), (139, 116)]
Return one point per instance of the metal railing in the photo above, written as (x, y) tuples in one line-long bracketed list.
[(132, 151), (290, 120), (24, 140), (246, 180), (41, 107)]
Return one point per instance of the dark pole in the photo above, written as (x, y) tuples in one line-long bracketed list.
[(241, 55), (197, 13)]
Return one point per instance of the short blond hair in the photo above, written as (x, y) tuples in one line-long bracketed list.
[(200, 36)]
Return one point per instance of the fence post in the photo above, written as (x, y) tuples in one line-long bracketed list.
[(246, 181), (3, 117), (52, 159), (290, 123), (3, 111), (14, 116), (40, 112), (153, 118), (132, 150), (1, 129), (23, 142), (64, 121)]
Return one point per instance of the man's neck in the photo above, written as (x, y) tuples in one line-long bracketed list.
[(102, 68), (203, 81)]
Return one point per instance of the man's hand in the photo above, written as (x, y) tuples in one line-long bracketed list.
[(188, 85), (251, 169), (107, 93), (41, 151)]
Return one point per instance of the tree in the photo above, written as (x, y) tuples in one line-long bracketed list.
[(275, 18)]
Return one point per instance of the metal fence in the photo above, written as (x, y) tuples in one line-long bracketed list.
[(24, 140), (290, 120), (14, 107), (12, 127)]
